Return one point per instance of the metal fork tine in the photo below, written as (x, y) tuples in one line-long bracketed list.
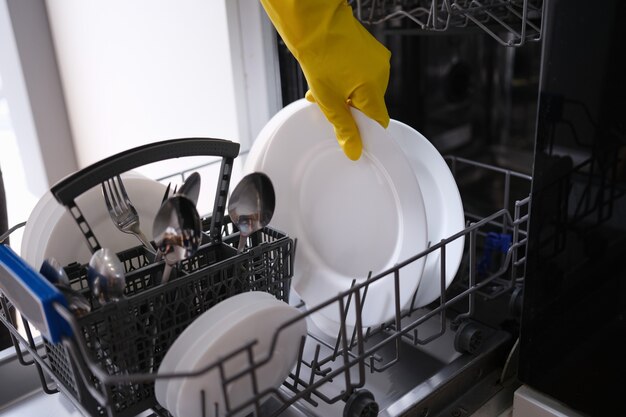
[(121, 202), (123, 214), (108, 194), (114, 196), (167, 193), (126, 199), (105, 192)]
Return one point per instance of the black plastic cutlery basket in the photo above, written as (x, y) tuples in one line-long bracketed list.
[(131, 336)]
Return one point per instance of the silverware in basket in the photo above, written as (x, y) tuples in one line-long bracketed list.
[(251, 205), (122, 211), (106, 276), (166, 194), (190, 188), (52, 270), (177, 232)]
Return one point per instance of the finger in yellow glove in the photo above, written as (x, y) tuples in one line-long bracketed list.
[(343, 63)]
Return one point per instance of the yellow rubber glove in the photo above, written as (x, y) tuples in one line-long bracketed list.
[(343, 63)]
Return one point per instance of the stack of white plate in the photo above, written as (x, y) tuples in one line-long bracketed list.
[(351, 218), (51, 231), (227, 326)]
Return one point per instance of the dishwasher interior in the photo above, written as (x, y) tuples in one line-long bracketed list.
[(465, 74)]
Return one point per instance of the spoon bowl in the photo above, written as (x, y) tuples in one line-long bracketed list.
[(191, 188), (251, 205), (177, 231), (52, 270), (106, 276)]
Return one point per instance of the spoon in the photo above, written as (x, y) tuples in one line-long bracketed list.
[(54, 272), (106, 276), (177, 232), (191, 188), (251, 205)]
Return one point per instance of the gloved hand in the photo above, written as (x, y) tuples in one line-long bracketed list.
[(343, 63)]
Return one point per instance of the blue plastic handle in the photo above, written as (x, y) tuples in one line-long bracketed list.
[(33, 295)]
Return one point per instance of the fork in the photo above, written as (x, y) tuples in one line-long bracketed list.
[(122, 211), (167, 192)]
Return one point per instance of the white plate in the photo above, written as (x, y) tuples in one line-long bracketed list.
[(349, 217), (444, 211), (146, 195), (51, 231), (34, 226), (53, 211), (258, 149), (256, 321), (444, 208), (166, 390)]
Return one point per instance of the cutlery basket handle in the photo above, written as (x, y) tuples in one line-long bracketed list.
[(67, 189)]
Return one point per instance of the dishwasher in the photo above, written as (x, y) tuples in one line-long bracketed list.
[(477, 79)]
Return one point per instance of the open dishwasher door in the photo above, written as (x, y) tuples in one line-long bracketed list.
[(573, 322)]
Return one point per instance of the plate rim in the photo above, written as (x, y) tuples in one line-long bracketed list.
[(455, 249), (225, 326), (181, 349), (56, 212)]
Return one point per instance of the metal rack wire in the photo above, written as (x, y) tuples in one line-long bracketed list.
[(329, 370), (509, 22)]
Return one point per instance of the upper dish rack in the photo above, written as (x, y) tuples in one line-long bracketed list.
[(510, 22)]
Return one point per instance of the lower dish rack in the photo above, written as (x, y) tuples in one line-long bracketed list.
[(108, 366)]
